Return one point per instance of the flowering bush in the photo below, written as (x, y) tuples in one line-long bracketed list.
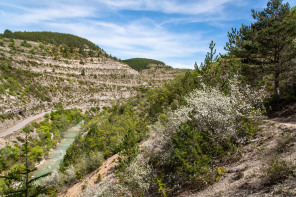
[(138, 176), (223, 115), (107, 188), (218, 113), (188, 145)]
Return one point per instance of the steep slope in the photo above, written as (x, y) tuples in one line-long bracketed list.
[(36, 76), (265, 168), (262, 165), (245, 177)]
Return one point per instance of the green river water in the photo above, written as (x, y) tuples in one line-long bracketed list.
[(57, 155)]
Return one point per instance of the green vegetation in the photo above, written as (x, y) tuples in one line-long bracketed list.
[(43, 137), (182, 134), (105, 133), (267, 46), (210, 57), (17, 82), (189, 158), (194, 153), (140, 64), (25, 44), (200, 119), (56, 44), (277, 171), (17, 181), (53, 38), (17, 162)]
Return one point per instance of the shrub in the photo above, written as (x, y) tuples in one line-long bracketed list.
[(161, 187), (138, 177), (107, 188), (221, 114), (79, 175), (214, 112), (32, 51), (25, 44), (189, 145), (2, 89), (277, 171), (52, 181), (83, 72), (194, 152), (69, 176), (84, 186), (99, 178)]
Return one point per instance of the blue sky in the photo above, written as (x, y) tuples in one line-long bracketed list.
[(177, 32)]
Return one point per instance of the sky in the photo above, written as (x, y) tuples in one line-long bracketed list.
[(177, 32)]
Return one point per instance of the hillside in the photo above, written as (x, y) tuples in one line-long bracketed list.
[(263, 168), (52, 38), (36, 76), (226, 128), (208, 133), (140, 64)]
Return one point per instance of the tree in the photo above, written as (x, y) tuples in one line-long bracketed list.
[(267, 43), (210, 57), (83, 72), (17, 182), (7, 33), (196, 66)]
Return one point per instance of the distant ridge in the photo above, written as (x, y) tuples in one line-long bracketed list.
[(142, 63), (53, 38)]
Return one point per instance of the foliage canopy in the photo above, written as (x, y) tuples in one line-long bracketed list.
[(268, 43)]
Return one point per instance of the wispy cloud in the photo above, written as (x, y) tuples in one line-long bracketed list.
[(2, 13), (53, 14), (140, 38), (175, 31), (170, 6)]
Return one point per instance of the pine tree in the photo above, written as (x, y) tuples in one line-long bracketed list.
[(210, 57), (196, 66), (267, 43), (17, 181)]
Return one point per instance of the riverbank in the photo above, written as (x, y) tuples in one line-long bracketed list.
[(56, 155)]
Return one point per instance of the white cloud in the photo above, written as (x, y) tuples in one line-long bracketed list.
[(55, 13), (170, 6), (44, 11), (139, 38)]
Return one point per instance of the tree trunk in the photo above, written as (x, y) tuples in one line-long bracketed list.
[(276, 85)]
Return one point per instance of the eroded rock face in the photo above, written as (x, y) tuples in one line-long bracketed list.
[(44, 79)]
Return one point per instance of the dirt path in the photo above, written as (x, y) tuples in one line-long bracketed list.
[(245, 177), (22, 124), (106, 171)]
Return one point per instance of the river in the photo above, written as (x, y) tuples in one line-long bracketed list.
[(57, 155)]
